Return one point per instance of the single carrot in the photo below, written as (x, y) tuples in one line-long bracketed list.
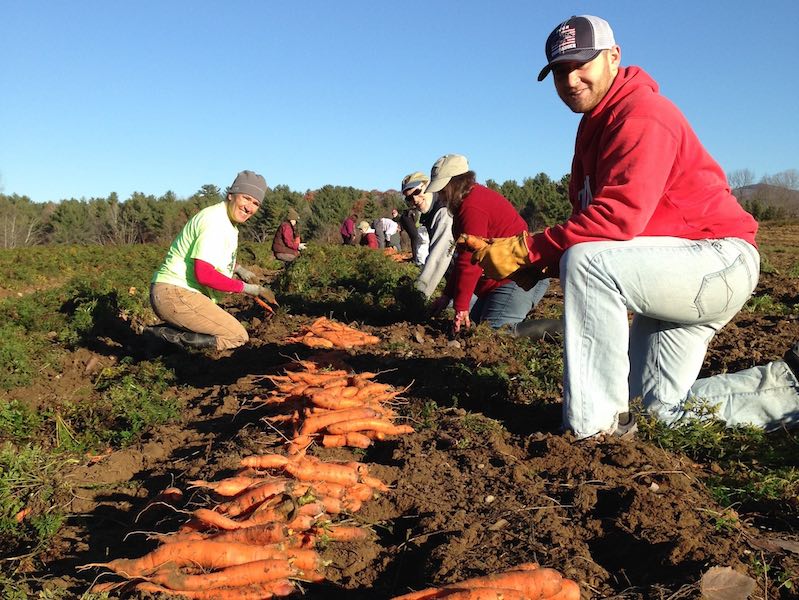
[(298, 445), (360, 491), (254, 496), (333, 403), (211, 518), (266, 533), (237, 575), (317, 342), (372, 424), (265, 461), (343, 533), (569, 591), (263, 305), (314, 424), (278, 587), (209, 554), (486, 594), (538, 583), (374, 483), (229, 486), (472, 242), (323, 472), (316, 377), (319, 489), (353, 439)]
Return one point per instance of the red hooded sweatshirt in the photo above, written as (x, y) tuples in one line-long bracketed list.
[(640, 170), (486, 213)]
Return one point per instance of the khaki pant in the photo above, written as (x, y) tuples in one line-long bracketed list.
[(196, 312)]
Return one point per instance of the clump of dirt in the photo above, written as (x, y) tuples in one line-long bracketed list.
[(486, 482)]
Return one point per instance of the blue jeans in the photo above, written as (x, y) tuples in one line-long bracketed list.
[(508, 304), (681, 292)]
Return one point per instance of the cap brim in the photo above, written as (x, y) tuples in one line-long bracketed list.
[(580, 56), (412, 184), (438, 184)]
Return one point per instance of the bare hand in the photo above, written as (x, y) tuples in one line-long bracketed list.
[(461, 320)]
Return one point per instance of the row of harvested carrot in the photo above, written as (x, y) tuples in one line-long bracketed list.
[(334, 407), (327, 333), (259, 542), (525, 582)]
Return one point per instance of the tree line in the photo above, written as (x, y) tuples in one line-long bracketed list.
[(146, 218)]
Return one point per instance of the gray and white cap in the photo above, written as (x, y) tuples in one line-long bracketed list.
[(578, 39)]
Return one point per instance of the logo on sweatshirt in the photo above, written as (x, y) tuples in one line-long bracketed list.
[(584, 196)]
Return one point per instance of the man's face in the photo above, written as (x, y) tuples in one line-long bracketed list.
[(582, 86), (241, 207), (414, 196)]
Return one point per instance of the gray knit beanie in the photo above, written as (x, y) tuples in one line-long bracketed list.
[(250, 183)]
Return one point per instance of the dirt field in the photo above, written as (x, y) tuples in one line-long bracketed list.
[(487, 482)]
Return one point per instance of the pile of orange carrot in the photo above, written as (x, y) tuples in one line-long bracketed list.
[(327, 333), (259, 540), (524, 582), (335, 407), (397, 256)]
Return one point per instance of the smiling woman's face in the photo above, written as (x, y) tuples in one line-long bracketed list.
[(241, 207)]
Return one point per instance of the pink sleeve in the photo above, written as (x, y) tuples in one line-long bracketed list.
[(208, 276), (465, 275)]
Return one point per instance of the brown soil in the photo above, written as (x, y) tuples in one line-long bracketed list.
[(486, 483)]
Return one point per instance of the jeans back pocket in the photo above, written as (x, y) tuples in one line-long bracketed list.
[(723, 293)]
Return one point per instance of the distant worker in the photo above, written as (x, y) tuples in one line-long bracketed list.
[(387, 231), (199, 268), (286, 245), (409, 220), (437, 221), (368, 235), (348, 231)]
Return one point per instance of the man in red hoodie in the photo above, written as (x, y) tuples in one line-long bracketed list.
[(654, 231)]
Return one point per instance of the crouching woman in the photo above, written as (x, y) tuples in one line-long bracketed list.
[(199, 268)]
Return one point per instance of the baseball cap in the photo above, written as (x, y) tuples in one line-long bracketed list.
[(414, 180), (444, 169), (578, 39)]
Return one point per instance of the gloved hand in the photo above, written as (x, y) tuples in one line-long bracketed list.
[(253, 289), (303, 246), (244, 274), (501, 257)]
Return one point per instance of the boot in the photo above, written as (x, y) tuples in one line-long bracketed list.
[(180, 337), (792, 358), (538, 329)]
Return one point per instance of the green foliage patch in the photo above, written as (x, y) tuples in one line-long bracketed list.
[(753, 465), (351, 283), (28, 482)]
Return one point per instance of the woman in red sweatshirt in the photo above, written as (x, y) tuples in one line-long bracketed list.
[(477, 210)]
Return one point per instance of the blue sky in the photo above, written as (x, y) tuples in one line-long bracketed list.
[(153, 96)]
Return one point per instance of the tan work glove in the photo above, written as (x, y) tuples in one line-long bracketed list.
[(503, 258)]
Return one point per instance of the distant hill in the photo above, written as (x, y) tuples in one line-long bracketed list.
[(761, 196)]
